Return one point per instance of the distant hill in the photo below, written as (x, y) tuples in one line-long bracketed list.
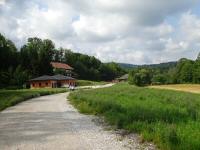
[(161, 65), (127, 66)]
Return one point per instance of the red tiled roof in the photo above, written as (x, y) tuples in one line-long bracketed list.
[(61, 66)]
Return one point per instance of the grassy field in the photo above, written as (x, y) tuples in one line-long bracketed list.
[(168, 118), (12, 97), (193, 88), (89, 83)]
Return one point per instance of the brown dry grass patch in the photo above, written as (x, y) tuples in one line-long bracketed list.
[(193, 88)]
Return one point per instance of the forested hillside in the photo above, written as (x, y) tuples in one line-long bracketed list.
[(33, 59), (166, 65), (184, 71)]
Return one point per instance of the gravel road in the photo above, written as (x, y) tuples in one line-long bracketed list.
[(51, 123)]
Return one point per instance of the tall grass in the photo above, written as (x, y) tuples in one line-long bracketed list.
[(168, 118), (12, 97), (89, 83)]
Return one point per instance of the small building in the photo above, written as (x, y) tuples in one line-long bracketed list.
[(55, 81), (123, 78), (68, 70)]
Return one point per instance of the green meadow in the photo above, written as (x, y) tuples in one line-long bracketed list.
[(170, 119), (12, 97), (89, 83)]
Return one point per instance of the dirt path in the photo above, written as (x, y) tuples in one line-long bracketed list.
[(51, 123)]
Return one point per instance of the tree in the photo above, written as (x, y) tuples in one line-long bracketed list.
[(36, 56), (59, 55), (159, 79), (8, 54), (198, 57), (45, 57), (171, 76), (184, 71), (20, 76), (140, 77), (137, 80), (106, 72), (90, 68), (196, 72)]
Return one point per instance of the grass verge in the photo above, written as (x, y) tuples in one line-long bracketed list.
[(168, 118), (12, 97), (89, 83)]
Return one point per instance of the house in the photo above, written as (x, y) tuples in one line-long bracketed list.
[(68, 70), (123, 78), (47, 81)]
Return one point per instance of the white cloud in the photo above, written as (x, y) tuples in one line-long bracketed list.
[(53, 22), (2, 2), (132, 31), (101, 28), (190, 27)]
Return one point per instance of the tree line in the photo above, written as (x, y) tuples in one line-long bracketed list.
[(33, 59), (184, 71)]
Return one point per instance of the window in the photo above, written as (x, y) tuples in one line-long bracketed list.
[(33, 84), (46, 83), (39, 84)]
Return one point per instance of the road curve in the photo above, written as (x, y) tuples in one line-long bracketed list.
[(51, 123)]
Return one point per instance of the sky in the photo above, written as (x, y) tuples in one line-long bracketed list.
[(126, 31)]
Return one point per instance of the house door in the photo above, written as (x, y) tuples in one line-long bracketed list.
[(53, 85), (59, 84)]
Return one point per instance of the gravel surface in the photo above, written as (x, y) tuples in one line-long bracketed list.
[(51, 123), (96, 86)]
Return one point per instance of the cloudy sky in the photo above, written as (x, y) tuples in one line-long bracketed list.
[(129, 31)]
